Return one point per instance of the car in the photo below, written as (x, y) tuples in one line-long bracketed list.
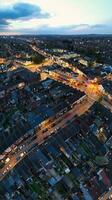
[(54, 124), (18, 158), (2, 157), (67, 115), (59, 120), (52, 131), (22, 154), (46, 137), (57, 128), (45, 130), (7, 160), (14, 147), (21, 147), (4, 172)]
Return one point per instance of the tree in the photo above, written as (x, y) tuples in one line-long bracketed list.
[(37, 59), (101, 160)]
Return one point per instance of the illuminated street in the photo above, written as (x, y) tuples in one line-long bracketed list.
[(56, 122), (79, 108)]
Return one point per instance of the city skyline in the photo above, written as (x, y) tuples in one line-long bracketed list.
[(55, 17)]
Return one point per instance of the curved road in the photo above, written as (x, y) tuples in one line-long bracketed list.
[(44, 131)]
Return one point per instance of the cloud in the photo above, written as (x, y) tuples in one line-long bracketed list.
[(4, 25), (63, 30), (20, 11), (70, 29), (3, 22), (76, 29), (99, 26)]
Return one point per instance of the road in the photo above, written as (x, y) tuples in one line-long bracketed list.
[(93, 93), (44, 131), (107, 195), (92, 88), (34, 67), (107, 104)]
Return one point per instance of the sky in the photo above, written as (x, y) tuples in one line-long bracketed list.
[(55, 17)]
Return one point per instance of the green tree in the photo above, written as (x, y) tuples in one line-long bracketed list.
[(37, 59)]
